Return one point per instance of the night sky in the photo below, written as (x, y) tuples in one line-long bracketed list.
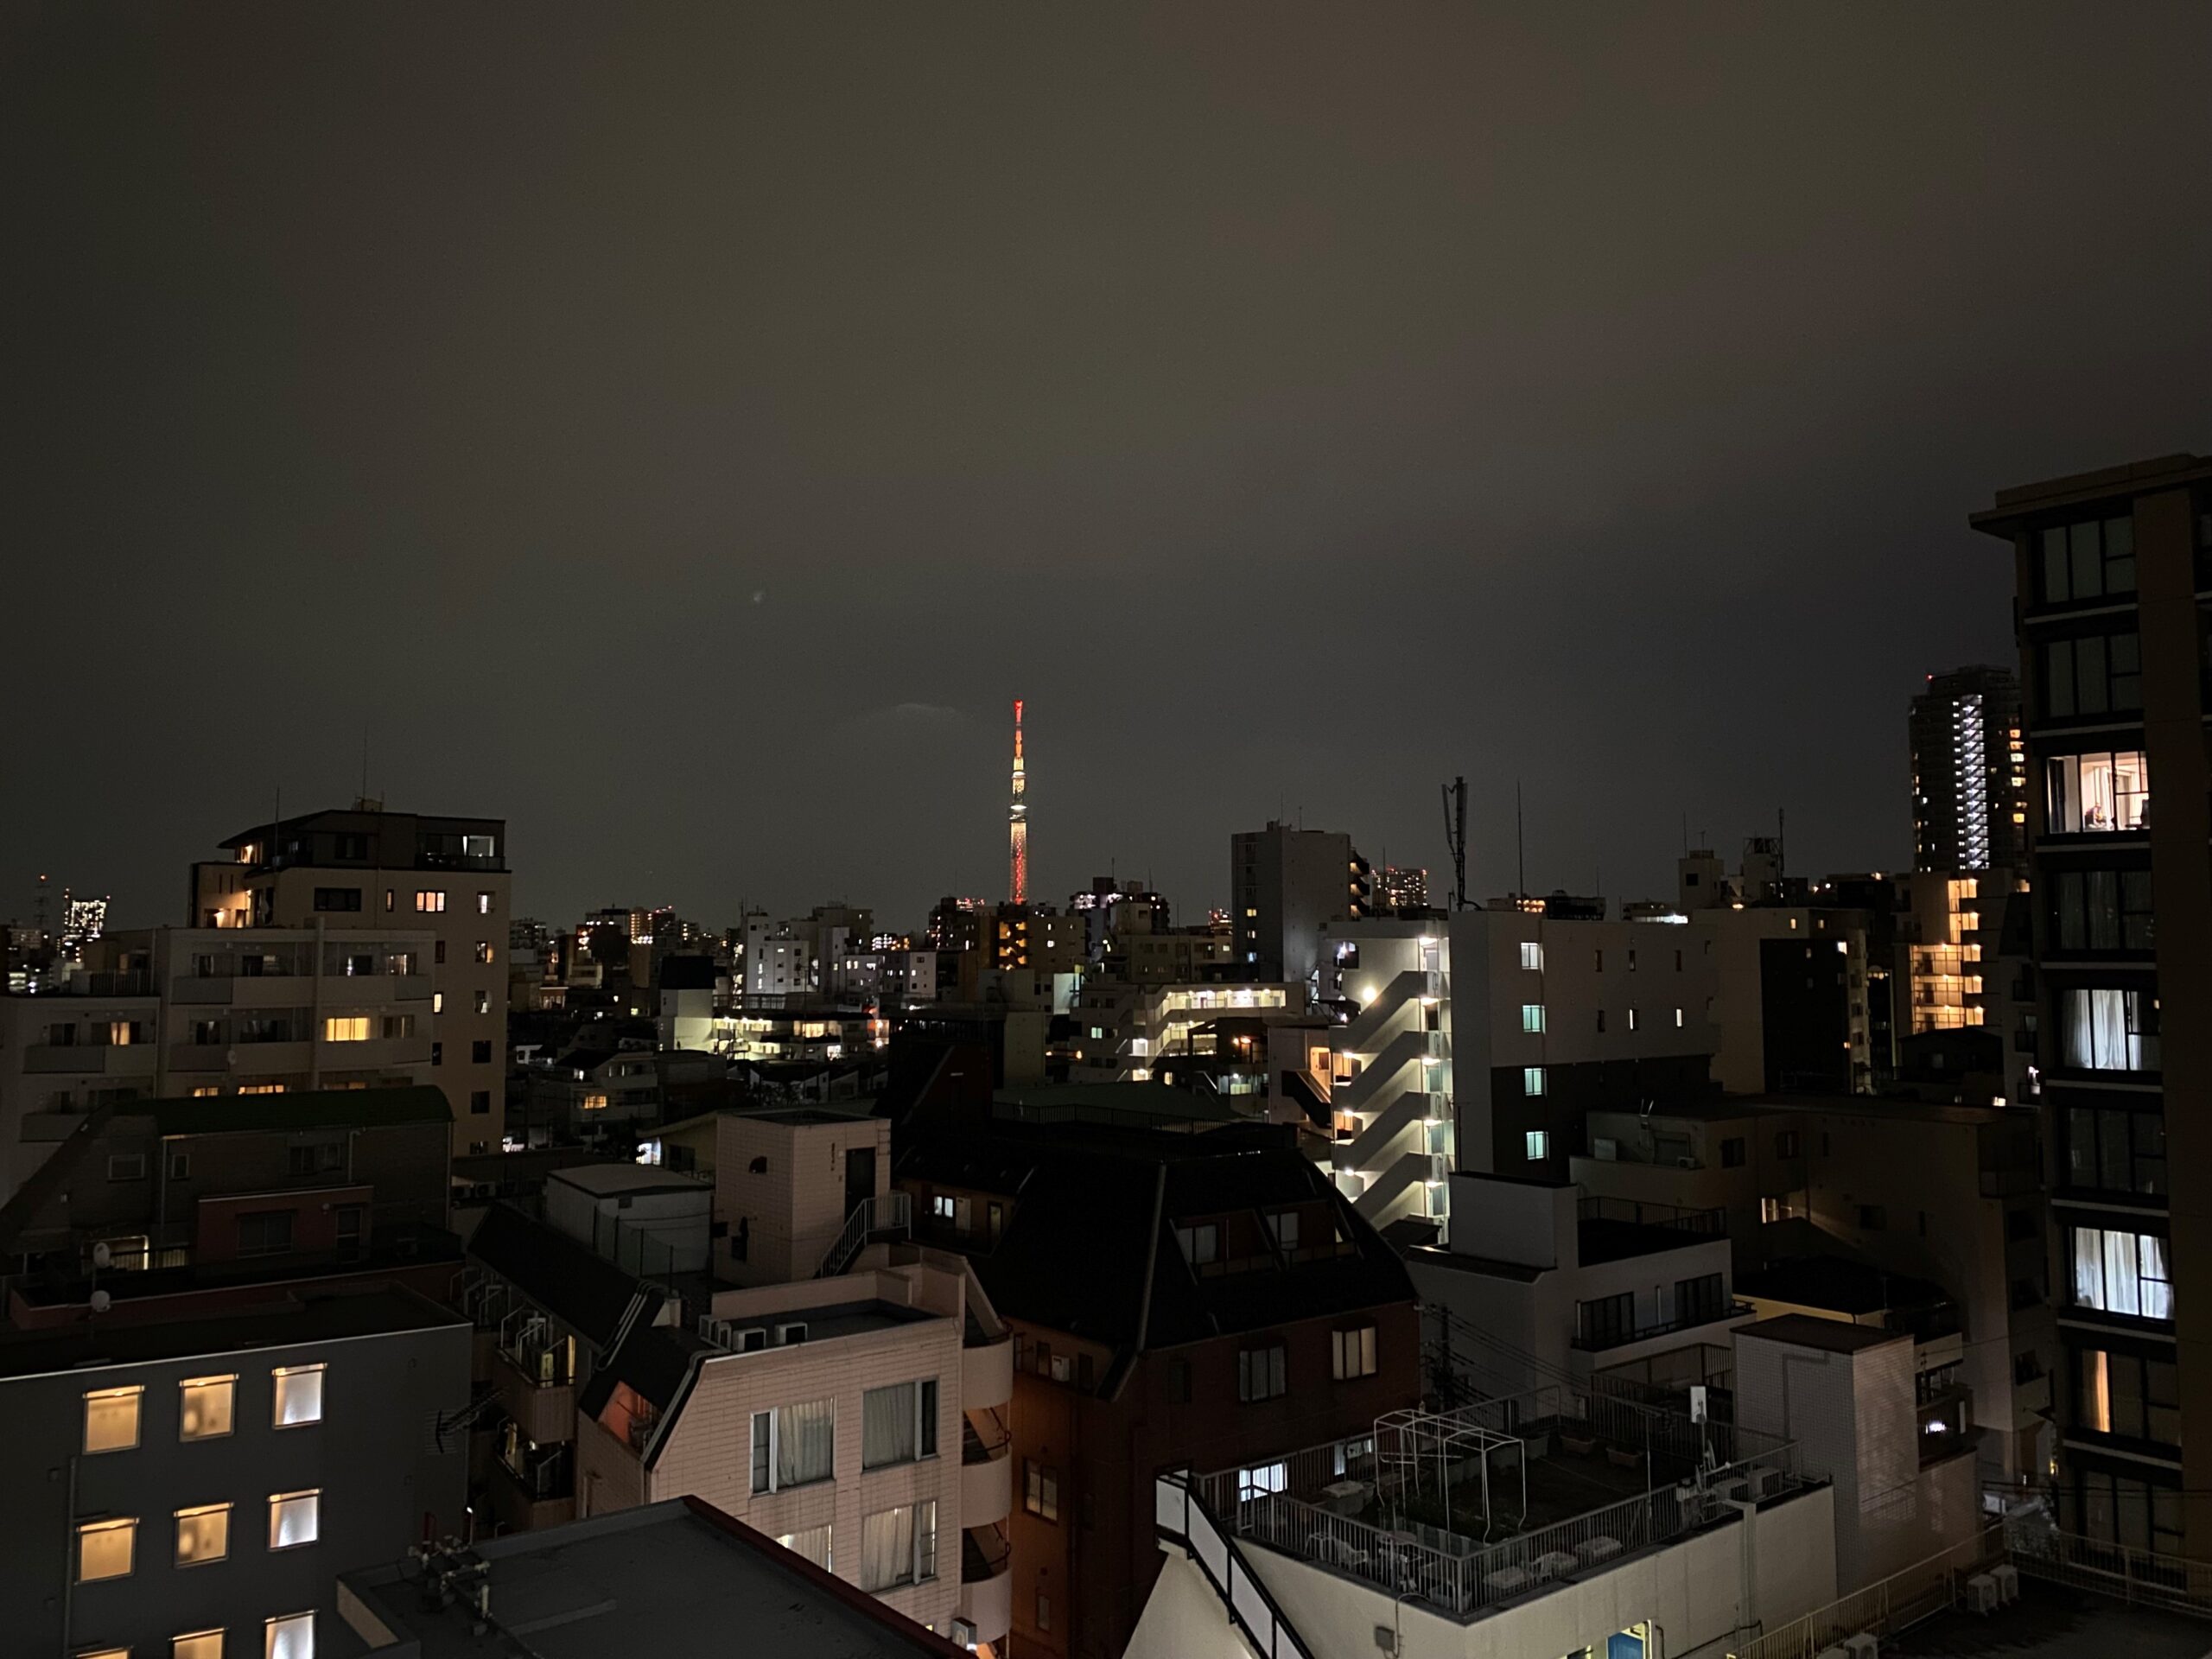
[(683, 431)]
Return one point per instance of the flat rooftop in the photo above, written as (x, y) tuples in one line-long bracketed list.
[(839, 1320), (611, 1180), (2048, 1622), (95, 1345), (676, 1580)]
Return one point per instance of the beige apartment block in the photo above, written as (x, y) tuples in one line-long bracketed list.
[(787, 1184), (860, 1420), (367, 869)]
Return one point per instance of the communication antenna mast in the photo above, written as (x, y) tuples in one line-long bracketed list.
[(1455, 836)]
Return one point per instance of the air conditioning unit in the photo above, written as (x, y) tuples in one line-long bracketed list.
[(1757, 1484), (1605, 1151), (751, 1340), (1981, 1594), (787, 1334), (1685, 1163), (1865, 1645)]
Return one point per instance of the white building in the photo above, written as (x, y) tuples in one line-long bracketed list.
[(1125, 1031)]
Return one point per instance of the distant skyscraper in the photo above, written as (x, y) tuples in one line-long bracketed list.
[(1403, 889), (1017, 825), (1969, 772), (1284, 885), (82, 922)]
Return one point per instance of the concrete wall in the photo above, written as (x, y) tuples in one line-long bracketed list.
[(792, 1210)]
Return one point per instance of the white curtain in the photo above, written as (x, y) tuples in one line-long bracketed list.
[(2096, 1030), (2120, 1274), (888, 1426), (2088, 1267), (2158, 1282), (813, 1544), (805, 1443), (887, 1548)]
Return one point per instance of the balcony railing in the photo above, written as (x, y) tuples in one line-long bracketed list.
[(1592, 1342), (1704, 1223)]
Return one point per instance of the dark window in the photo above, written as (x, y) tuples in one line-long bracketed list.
[(479, 1051), (1697, 1300), (1040, 1490), (2086, 561), (438, 950), (2021, 1224), (317, 1158), (2109, 1150), (2101, 910), (1261, 1373), (437, 1054), (127, 1167), (1607, 1321), (265, 1232), (1872, 1217), (1179, 1382), (1731, 1153), (337, 898), (2096, 674), (1788, 1145), (480, 1101), (347, 847)]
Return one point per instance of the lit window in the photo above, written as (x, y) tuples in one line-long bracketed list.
[(1631, 1019), (1532, 1016), (1040, 1490), (203, 1534), (429, 903), (1539, 1145), (483, 951), (105, 1549), (299, 1396), (483, 904), (288, 1636), (346, 1028), (1532, 1079), (437, 1002), (813, 1544), (112, 1419), (1678, 1018), (200, 1645), (2122, 1273), (1353, 1353), (1532, 955), (294, 1518), (206, 1407)]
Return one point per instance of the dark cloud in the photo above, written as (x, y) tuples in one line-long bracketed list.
[(614, 411)]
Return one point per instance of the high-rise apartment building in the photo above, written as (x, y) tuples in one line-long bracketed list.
[(373, 870), (1285, 885), (1969, 771), (2111, 567)]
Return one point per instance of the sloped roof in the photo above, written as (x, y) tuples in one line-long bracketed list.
[(1092, 1248), (583, 1290)]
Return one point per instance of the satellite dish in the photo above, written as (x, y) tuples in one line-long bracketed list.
[(103, 1258), (102, 1301)]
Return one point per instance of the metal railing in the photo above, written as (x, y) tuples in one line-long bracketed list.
[(1178, 1513), (1463, 1576), (1885, 1605), (2171, 1582), (891, 1212), (1598, 1340)]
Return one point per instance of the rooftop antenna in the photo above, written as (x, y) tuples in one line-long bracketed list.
[(1455, 837), (1520, 846)]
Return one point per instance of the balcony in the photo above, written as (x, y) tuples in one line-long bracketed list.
[(91, 1059), (986, 1598), (986, 1478), (987, 1373), (533, 1389), (1604, 1340)]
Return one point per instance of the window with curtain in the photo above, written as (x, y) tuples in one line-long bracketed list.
[(899, 1546), (2102, 1028), (2115, 1151), (813, 1544), (2101, 910), (888, 1426), (2122, 1273), (793, 1445)]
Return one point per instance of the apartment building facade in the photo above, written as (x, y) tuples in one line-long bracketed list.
[(194, 1488), (368, 870), (1285, 885), (2112, 573)]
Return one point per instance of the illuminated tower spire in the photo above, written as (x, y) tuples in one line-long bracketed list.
[(1017, 822)]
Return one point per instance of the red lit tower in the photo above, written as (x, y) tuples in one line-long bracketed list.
[(1017, 822)]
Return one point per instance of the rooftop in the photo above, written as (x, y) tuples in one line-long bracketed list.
[(1830, 1336), (1136, 1105), (94, 1346), (611, 1180), (2049, 1621), (678, 1580), (584, 1290)]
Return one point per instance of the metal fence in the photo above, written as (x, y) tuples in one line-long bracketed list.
[(2139, 1576), (1883, 1606)]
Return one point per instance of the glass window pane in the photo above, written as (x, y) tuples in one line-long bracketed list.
[(2054, 564), (294, 1518), (2087, 559), (299, 1396), (112, 1419), (2089, 675), (2058, 678), (204, 1406), (2120, 556)]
